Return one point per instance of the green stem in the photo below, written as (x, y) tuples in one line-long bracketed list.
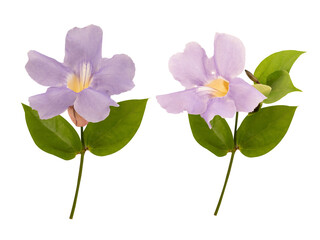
[(79, 176), (235, 131), (82, 138), (230, 165)]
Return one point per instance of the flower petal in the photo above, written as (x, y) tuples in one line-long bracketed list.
[(229, 55), (52, 103), (46, 71), (115, 75), (189, 67), (245, 96), (223, 106), (188, 100), (83, 45), (210, 66), (92, 105)]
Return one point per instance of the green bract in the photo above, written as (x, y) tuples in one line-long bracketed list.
[(55, 135), (218, 139), (264, 89), (113, 133)]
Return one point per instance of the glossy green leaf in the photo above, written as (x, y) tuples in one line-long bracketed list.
[(55, 135), (218, 139), (260, 132), (264, 89), (113, 133), (281, 85), (278, 61)]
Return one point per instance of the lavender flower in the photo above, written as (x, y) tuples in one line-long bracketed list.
[(212, 85), (84, 83)]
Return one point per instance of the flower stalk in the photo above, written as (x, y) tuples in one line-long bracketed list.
[(230, 165), (79, 175)]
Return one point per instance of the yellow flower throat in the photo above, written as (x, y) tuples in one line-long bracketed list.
[(81, 82), (220, 87)]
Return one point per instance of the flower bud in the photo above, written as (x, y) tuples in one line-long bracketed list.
[(252, 77)]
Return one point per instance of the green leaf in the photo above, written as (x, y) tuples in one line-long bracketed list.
[(218, 139), (264, 89), (281, 85), (55, 135), (260, 132), (113, 133), (278, 61)]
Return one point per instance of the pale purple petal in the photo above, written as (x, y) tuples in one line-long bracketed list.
[(115, 75), (210, 66), (52, 103), (188, 100), (83, 45), (190, 67), (245, 96), (46, 71), (223, 107), (229, 55), (92, 105)]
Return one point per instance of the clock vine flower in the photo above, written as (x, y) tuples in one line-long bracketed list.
[(84, 82), (212, 84)]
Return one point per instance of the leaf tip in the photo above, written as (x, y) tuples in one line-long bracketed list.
[(24, 105)]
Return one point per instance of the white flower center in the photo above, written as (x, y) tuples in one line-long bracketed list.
[(81, 82)]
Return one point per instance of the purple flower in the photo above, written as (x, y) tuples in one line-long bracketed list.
[(84, 82), (212, 85)]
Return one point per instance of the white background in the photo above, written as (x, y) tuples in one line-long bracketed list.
[(162, 185)]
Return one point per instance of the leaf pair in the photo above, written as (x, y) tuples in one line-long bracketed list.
[(258, 134), (273, 71), (56, 136)]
